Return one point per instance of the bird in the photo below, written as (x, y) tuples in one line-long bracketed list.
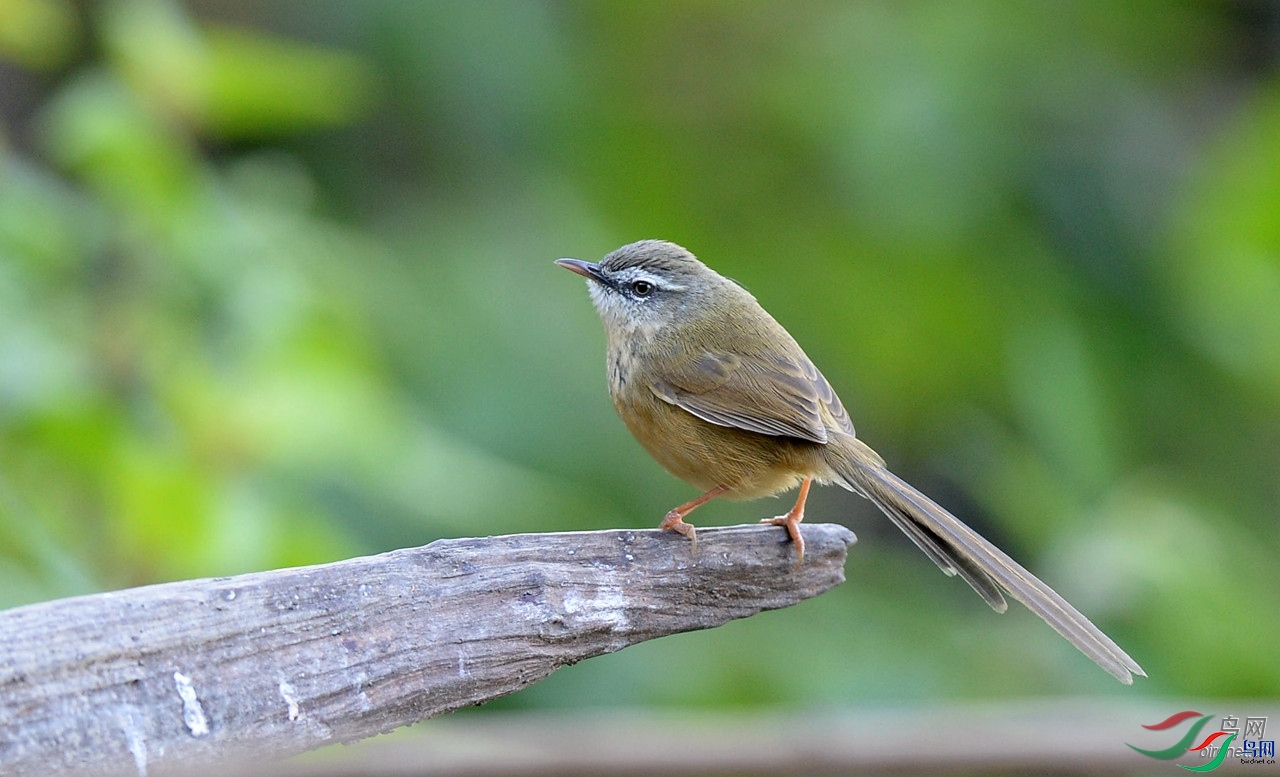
[(724, 398)]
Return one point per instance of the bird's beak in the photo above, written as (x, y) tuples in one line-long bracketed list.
[(585, 269)]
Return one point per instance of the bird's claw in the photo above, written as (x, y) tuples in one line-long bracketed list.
[(792, 523), (675, 522)]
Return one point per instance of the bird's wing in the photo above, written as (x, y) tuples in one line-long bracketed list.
[(775, 394)]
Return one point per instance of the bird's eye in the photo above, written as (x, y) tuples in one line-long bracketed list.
[(641, 288)]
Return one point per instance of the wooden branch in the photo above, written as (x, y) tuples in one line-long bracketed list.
[(271, 664)]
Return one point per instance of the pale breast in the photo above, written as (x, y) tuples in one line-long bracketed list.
[(705, 455)]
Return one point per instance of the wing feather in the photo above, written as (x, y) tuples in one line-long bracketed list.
[(774, 394)]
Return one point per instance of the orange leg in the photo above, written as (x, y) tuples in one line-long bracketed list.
[(675, 519), (792, 520)]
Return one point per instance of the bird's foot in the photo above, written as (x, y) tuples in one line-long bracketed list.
[(675, 522), (792, 522), (793, 518)]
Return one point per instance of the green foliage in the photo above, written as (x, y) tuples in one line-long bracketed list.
[(38, 34), (267, 302)]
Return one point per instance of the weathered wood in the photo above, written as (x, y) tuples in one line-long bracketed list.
[(169, 677)]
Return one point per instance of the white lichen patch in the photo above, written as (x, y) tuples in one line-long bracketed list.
[(192, 712), (606, 608), (290, 699), (136, 742)]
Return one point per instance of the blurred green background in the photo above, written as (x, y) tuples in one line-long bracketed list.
[(276, 288)]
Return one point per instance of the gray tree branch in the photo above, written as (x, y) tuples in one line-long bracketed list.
[(171, 677)]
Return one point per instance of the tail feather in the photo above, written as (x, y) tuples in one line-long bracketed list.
[(948, 561), (957, 549)]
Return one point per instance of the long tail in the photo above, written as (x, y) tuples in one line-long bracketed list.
[(959, 550)]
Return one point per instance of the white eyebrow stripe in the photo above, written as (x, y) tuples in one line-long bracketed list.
[(633, 274)]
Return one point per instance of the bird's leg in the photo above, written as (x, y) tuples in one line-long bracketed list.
[(792, 520), (675, 519)]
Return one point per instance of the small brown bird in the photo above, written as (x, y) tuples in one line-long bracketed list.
[(724, 398)]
